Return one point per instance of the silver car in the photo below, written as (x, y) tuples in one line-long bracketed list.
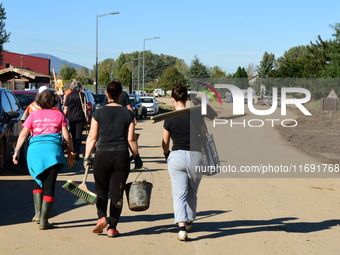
[(151, 105)]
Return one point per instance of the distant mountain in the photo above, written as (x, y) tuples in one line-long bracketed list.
[(56, 63)]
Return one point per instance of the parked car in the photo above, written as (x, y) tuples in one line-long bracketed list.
[(100, 98), (10, 124), (151, 105), (139, 110), (25, 97), (91, 102), (269, 101)]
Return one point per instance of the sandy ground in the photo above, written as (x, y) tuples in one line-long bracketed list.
[(238, 213)]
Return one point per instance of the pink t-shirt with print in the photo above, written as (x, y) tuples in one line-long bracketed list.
[(46, 121)]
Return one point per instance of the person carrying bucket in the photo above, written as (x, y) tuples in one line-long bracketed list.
[(185, 155), (112, 132)]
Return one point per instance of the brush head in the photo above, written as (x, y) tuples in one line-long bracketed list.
[(81, 191)]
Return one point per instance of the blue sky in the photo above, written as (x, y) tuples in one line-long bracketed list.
[(223, 33)]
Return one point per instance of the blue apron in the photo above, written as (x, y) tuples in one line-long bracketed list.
[(43, 152)]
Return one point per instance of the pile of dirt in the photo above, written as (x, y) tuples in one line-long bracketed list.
[(317, 135)]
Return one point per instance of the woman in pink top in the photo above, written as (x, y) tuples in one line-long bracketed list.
[(45, 157)]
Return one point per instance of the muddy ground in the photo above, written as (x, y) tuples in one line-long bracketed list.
[(317, 135)]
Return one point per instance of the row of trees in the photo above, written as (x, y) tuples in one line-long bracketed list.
[(161, 71), (319, 59)]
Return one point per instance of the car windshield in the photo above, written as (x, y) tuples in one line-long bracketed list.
[(25, 99), (100, 98), (146, 100)]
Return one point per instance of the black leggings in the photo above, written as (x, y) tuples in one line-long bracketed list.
[(76, 130), (49, 179), (111, 170)]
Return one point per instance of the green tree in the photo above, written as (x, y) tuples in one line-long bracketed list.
[(197, 69), (266, 65), (83, 75), (170, 76), (332, 69), (216, 72), (4, 36), (181, 66), (125, 76), (336, 28), (107, 66), (67, 72), (104, 78), (241, 78), (317, 58), (120, 62), (154, 65), (251, 70), (302, 61)]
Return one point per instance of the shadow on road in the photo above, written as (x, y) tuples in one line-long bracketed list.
[(16, 207), (17, 200), (229, 228)]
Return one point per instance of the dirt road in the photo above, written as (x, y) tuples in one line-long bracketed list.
[(237, 214)]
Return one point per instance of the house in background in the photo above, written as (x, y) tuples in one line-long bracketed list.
[(15, 78), (20, 71)]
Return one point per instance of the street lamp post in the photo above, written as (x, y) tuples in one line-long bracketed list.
[(132, 71), (143, 55), (99, 16), (137, 70), (131, 74)]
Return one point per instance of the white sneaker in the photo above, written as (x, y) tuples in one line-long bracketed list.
[(182, 235)]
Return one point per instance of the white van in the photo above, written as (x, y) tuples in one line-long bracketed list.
[(158, 93)]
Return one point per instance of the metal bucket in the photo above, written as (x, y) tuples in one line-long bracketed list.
[(138, 194)]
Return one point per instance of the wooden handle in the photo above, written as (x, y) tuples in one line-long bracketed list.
[(85, 175), (171, 114)]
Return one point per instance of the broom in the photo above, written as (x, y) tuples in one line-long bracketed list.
[(81, 190)]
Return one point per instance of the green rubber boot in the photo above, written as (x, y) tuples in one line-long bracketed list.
[(37, 198), (46, 209)]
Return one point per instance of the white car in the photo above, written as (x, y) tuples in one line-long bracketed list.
[(151, 104)]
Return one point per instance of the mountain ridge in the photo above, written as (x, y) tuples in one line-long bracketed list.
[(56, 62)]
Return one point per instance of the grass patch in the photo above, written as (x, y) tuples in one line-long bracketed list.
[(166, 108), (313, 105)]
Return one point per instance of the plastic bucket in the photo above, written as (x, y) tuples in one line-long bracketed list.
[(138, 195)]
